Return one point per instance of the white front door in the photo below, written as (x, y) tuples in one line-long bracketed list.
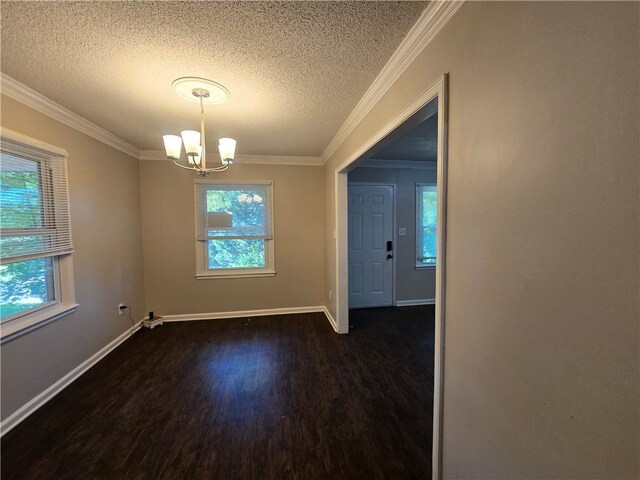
[(370, 246)]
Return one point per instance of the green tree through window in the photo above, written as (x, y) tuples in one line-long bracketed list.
[(29, 283), (236, 224), (427, 211)]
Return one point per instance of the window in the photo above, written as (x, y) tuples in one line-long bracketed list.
[(234, 229), (35, 243), (427, 214)]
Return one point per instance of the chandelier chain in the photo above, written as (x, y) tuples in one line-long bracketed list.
[(203, 157)]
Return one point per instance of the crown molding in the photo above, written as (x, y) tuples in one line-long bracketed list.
[(247, 159), (433, 19), (280, 160), (20, 92)]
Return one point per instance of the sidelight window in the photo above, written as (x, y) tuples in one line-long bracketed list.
[(426, 213)]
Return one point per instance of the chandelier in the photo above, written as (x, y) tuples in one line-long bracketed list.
[(204, 92)]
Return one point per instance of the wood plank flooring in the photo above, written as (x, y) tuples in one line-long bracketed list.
[(280, 397)]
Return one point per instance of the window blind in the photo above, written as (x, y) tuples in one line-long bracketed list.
[(34, 204)]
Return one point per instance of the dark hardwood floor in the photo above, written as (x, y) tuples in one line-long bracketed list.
[(280, 397)]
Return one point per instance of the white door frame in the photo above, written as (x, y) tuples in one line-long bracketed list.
[(393, 226), (438, 89)]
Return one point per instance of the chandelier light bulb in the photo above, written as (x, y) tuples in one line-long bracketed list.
[(197, 158), (227, 148), (191, 140), (173, 146)]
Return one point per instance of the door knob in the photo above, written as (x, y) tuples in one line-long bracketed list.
[(389, 256)]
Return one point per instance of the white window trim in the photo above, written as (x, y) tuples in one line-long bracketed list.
[(419, 265), (202, 273), (65, 299)]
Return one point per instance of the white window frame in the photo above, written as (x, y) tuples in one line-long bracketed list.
[(21, 323), (202, 270), (55, 267), (418, 249)]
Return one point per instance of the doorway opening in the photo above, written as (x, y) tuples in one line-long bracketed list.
[(409, 151)]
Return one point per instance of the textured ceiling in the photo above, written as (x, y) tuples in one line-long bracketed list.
[(419, 144), (295, 70)]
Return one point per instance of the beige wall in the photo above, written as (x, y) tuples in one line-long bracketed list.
[(541, 363), (169, 242), (541, 366), (411, 283), (105, 219)]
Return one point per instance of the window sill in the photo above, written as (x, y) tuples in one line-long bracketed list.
[(425, 267), (20, 326), (214, 276)]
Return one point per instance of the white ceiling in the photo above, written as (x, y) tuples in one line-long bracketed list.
[(295, 69)]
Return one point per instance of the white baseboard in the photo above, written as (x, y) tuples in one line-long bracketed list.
[(251, 313), (411, 303), (39, 400), (240, 314), (332, 320)]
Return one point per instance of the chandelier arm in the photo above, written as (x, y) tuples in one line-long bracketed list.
[(202, 171), (182, 166), (221, 168)]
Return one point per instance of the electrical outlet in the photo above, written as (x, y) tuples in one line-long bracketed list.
[(330, 294), (121, 308), (402, 231)]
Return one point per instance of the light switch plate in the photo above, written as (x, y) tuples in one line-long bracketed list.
[(402, 231)]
